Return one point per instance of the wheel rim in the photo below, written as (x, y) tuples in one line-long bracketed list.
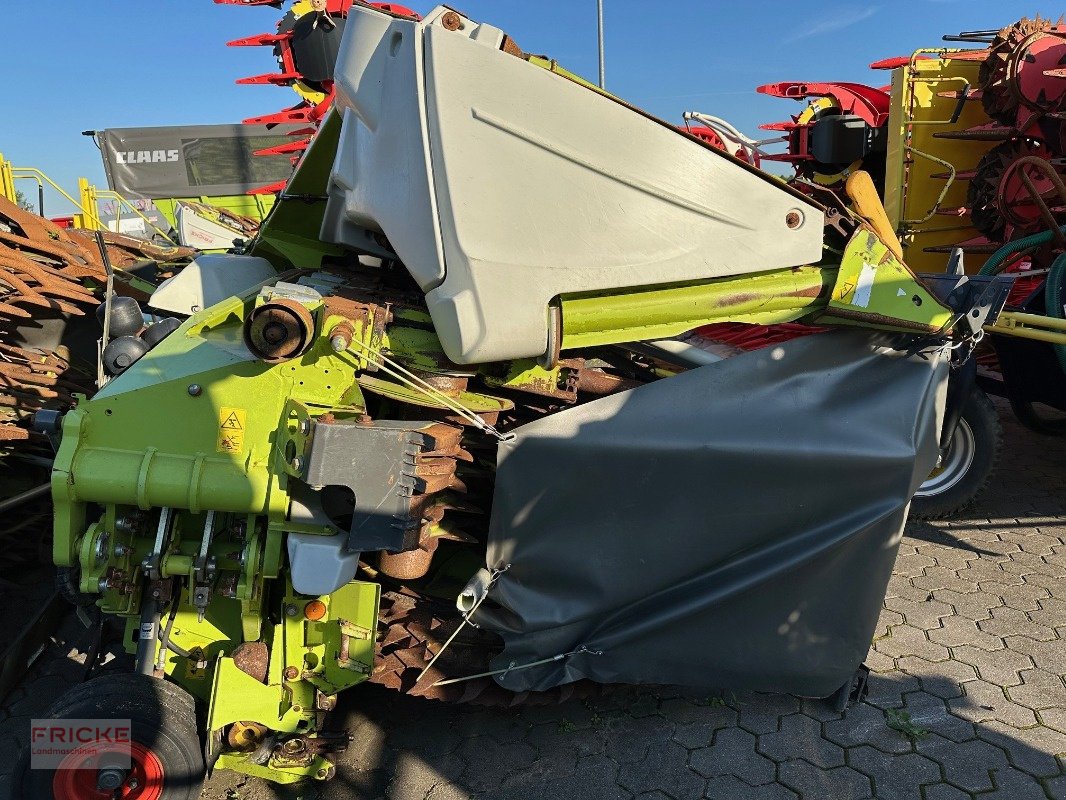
[(76, 777), (956, 463)]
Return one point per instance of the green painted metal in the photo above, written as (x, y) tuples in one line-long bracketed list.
[(290, 234), (869, 288), (324, 656), (471, 401), (658, 312), (255, 206), (874, 289), (526, 375)]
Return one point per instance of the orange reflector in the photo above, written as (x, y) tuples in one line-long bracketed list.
[(315, 610)]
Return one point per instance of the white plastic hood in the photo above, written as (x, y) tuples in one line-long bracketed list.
[(501, 185)]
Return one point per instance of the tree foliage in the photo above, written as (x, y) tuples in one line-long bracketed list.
[(23, 202)]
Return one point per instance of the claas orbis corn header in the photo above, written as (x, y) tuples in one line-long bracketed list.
[(437, 430)]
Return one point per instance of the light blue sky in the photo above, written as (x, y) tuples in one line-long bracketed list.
[(79, 65)]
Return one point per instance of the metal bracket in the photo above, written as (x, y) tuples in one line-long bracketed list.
[(976, 300), (153, 561), (378, 461), (204, 568)]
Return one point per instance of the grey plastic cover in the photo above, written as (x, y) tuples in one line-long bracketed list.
[(193, 160), (734, 526), (502, 186)]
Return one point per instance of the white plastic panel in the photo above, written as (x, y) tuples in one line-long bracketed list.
[(540, 187), (208, 280), (380, 179)]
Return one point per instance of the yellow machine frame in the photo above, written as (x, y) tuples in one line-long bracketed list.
[(923, 188)]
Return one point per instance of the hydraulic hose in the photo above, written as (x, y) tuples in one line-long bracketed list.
[(1053, 298), (996, 261)]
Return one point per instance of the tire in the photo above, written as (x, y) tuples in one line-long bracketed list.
[(967, 465), (167, 758), (1029, 417)]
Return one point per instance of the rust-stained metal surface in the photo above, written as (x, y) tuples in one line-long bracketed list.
[(51, 281), (44, 271), (252, 658), (412, 629)]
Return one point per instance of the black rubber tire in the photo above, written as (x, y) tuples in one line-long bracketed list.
[(980, 418), (163, 719), (1028, 416)]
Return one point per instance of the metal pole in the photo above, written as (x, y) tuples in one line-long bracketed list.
[(25, 497), (599, 15)]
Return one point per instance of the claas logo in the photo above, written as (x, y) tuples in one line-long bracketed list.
[(148, 157)]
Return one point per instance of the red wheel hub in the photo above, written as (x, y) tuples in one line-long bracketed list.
[(76, 777)]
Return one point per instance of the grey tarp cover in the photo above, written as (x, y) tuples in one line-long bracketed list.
[(734, 526), (193, 160)]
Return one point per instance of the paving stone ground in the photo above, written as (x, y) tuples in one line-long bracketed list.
[(966, 699)]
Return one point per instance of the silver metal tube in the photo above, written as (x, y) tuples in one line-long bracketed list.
[(599, 16), (149, 635)]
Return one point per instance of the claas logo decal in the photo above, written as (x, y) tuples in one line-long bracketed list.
[(148, 157)]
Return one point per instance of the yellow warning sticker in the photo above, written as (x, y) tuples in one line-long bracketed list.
[(192, 671), (232, 423)]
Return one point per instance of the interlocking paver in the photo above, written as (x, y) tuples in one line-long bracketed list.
[(1050, 656), (906, 640), (842, 783), (665, 769), (940, 579), (930, 713), (894, 776), (1052, 612), (1007, 621), (866, 724), (413, 778), (1054, 718), (733, 753), (945, 791), (1057, 788), (729, 788), (1039, 690), (628, 739), (925, 614), (886, 620), (449, 791), (1019, 596), (1012, 784), (900, 585), (973, 605), (943, 679), (956, 631), (967, 765), (595, 777), (1002, 667), (985, 701), (910, 565), (489, 761), (1032, 750), (761, 713), (886, 691), (563, 746), (801, 737), (694, 735)]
